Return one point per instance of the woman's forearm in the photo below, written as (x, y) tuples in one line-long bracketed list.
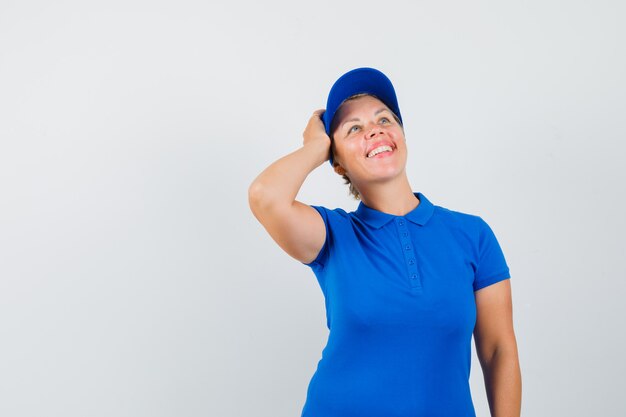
[(503, 383), (280, 182)]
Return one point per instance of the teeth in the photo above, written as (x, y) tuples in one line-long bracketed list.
[(378, 150)]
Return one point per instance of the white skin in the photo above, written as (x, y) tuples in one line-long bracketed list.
[(364, 124)]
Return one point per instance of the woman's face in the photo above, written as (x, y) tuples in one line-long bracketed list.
[(369, 142)]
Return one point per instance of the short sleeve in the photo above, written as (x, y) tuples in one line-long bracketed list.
[(322, 256), (491, 266)]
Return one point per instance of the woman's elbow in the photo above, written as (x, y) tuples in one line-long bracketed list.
[(255, 195), (260, 197)]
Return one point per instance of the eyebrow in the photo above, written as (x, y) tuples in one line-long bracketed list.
[(381, 110), (356, 119)]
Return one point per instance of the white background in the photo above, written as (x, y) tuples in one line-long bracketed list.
[(134, 280)]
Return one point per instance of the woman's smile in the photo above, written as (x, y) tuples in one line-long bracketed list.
[(380, 150)]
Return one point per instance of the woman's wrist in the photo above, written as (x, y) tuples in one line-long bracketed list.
[(319, 151)]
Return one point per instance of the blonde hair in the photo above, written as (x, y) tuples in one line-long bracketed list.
[(352, 189)]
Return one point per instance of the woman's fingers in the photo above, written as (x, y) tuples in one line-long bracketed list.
[(319, 112), (315, 131)]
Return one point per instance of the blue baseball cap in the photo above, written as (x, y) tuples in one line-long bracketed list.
[(359, 81)]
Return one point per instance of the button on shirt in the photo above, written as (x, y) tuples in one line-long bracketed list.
[(399, 295)]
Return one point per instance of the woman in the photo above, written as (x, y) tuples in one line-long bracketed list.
[(406, 282)]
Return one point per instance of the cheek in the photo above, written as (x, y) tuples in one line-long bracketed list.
[(339, 153), (347, 148)]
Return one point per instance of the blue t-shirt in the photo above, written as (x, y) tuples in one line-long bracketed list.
[(399, 295)]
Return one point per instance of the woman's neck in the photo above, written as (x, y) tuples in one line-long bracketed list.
[(393, 197)]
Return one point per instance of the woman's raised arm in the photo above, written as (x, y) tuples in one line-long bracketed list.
[(296, 227)]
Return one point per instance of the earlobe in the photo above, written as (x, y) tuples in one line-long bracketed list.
[(339, 169)]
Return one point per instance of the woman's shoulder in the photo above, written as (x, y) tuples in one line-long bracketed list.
[(334, 215), (338, 211), (455, 214), (458, 219)]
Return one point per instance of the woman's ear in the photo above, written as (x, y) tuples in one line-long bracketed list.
[(339, 169), (336, 166)]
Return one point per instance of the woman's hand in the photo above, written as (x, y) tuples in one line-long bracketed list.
[(315, 136)]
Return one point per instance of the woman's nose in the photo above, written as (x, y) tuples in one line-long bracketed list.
[(373, 132)]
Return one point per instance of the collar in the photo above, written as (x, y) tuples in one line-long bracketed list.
[(377, 219)]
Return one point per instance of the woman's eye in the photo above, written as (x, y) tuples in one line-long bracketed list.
[(353, 129), (384, 120)]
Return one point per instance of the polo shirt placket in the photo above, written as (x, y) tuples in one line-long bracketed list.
[(408, 251)]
